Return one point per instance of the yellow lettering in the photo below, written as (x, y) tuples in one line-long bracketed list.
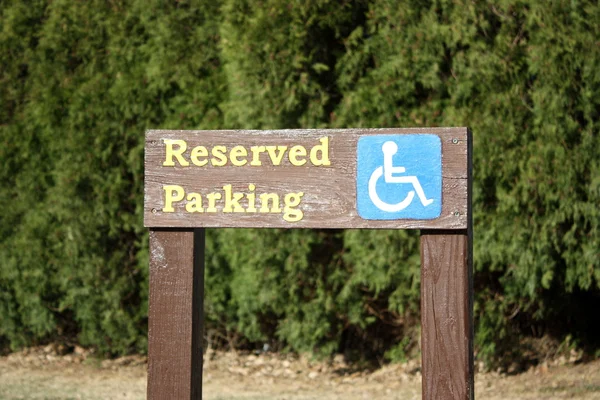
[(238, 156), (276, 157), (251, 199), (172, 193), (264, 202), (194, 203), (291, 200), (295, 152), (322, 148), (199, 151), (256, 150), (212, 200), (232, 200), (219, 158), (170, 152), (235, 153)]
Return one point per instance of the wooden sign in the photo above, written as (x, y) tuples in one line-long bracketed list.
[(348, 178), (370, 178)]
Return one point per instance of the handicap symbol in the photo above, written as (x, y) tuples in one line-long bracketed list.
[(387, 170)]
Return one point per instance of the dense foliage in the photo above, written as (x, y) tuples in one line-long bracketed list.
[(81, 81)]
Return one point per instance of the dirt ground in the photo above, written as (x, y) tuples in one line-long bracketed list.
[(43, 373)]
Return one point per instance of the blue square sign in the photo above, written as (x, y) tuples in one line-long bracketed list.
[(399, 177)]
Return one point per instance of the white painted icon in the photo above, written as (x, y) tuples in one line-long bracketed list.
[(387, 170)]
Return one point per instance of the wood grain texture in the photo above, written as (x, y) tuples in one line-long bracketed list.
[(175, 314), (329, 199), (447, 307), (446, 316)]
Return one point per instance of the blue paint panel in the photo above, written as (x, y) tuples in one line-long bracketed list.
[(415, 193)]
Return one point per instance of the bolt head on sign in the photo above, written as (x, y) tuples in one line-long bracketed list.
[(324, 178)]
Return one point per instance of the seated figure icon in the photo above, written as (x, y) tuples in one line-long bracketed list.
[(387, 170), (391, 169)]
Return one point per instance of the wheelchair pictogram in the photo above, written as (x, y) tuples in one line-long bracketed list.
[(387, 171), (399, 176)]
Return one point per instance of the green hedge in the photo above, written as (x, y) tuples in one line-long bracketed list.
[(81, 81)]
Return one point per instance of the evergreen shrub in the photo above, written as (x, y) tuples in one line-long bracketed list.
[(80, 82)]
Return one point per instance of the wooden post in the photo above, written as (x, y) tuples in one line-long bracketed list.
[(446, 315), (175, 314), (447, 307)]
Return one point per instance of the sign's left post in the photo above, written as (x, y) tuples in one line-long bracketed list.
[(175, 314)]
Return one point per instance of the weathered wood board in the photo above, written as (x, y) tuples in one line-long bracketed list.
[(306, 178)]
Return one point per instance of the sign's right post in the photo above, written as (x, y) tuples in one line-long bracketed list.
[(447, 308)]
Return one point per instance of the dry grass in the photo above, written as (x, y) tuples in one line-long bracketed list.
[(43, 373)]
